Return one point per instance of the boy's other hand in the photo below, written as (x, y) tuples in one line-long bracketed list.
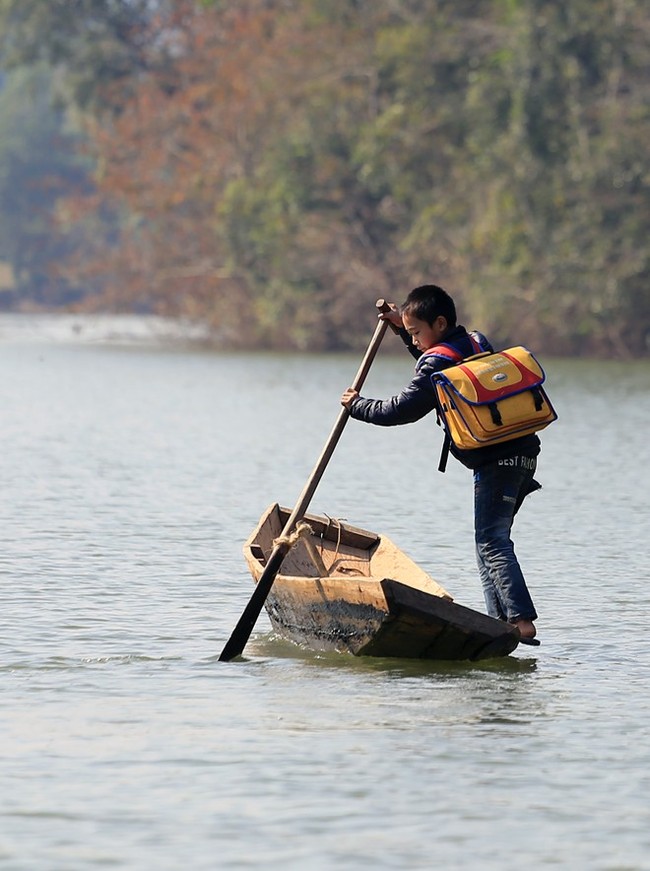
[(349, 396)]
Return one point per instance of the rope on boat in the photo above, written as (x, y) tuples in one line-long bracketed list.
[(306, 533), (301, 531), (337, 524)]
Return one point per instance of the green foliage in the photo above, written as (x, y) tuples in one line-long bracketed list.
[(305, 157), (37, 165), (99, 43), (558, 235)]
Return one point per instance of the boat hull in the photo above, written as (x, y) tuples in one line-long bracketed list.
[(349, 590)]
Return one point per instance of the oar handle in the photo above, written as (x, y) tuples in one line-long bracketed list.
[(241, 633), (317, 473)]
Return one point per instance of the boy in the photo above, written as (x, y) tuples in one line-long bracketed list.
[(503, 473)]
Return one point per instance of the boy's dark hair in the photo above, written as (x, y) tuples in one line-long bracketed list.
[(427, 302)]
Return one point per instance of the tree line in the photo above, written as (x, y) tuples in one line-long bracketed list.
[(271, 167)]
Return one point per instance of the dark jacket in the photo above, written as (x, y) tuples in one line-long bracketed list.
[(418, 398)]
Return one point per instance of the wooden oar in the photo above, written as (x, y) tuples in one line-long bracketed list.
[(242, 631)]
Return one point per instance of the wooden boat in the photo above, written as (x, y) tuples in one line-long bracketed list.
[(346, 589)]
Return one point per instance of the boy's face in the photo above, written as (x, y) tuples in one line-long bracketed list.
[(425, 335)]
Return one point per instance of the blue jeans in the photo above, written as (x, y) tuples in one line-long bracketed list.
[(499, 489)]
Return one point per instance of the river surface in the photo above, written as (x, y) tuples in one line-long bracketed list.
[(132, 470)]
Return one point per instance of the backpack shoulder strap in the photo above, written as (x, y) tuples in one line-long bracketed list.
[(447, 352), (477, 347), (452, 355), (450, 352)]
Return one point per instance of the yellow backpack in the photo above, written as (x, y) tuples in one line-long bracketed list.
[(493, 397)]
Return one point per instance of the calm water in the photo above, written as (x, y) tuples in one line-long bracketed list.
[(131, 474)]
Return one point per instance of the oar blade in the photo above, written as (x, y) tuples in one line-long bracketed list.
[(246, 623)]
